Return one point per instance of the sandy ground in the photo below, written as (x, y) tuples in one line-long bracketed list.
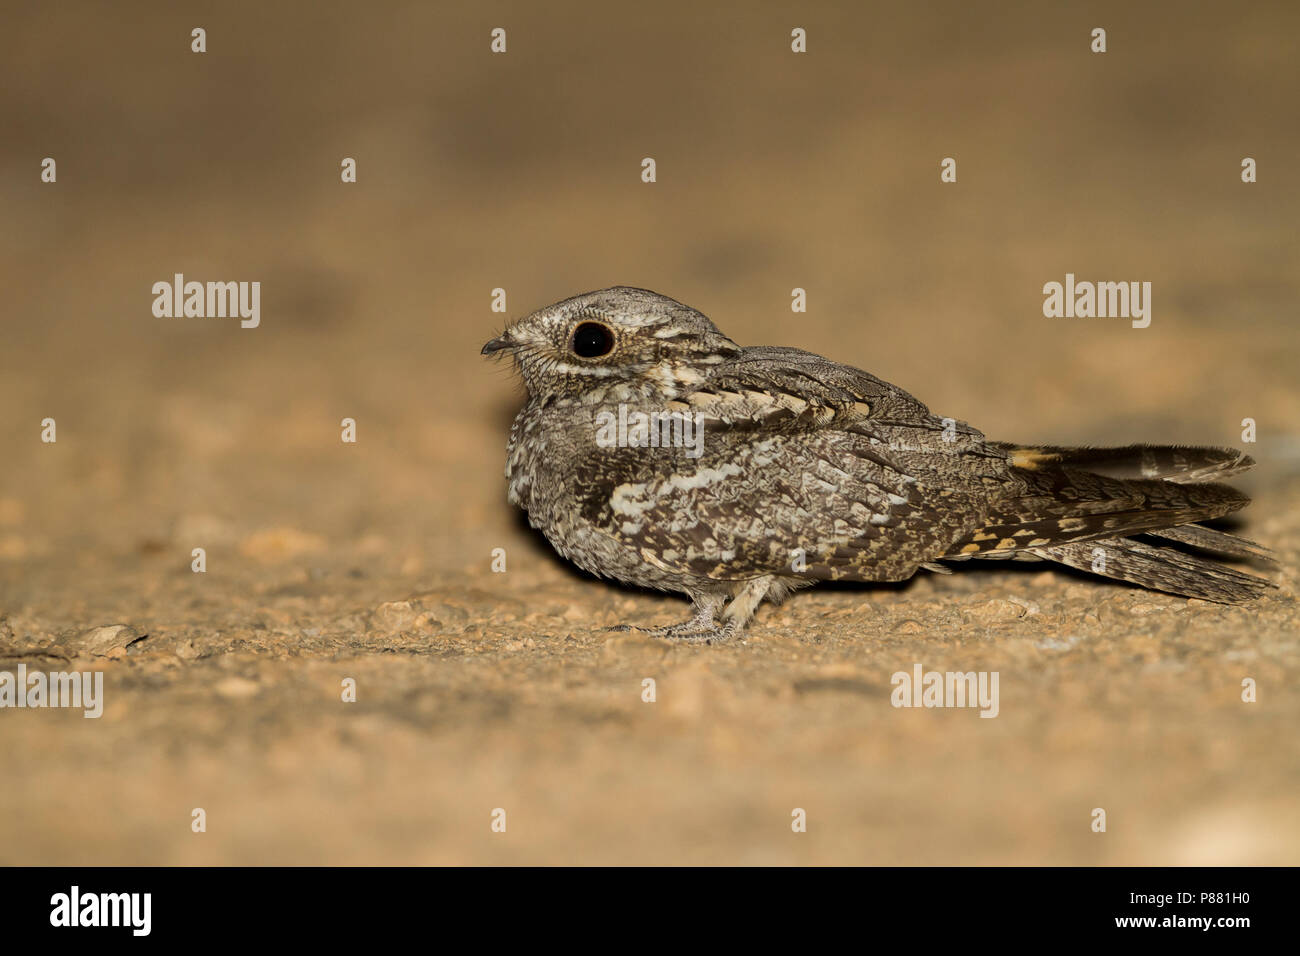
[(372, 561)]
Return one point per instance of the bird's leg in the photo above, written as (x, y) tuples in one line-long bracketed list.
[(702, 625), (743, 605)]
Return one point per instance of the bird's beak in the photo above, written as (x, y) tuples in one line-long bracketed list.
[(502, 341)]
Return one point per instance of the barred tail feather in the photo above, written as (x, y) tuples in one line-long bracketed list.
[(1159, 568), (1183, 464), (1218, 542)]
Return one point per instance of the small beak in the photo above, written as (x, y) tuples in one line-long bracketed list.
[(497, 344)]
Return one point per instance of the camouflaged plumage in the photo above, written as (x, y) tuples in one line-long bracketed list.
[(811, 470)]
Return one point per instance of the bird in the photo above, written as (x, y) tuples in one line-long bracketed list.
[(654, 451)]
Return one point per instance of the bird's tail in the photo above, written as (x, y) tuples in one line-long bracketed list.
[(1183, 464), (1126, 513)]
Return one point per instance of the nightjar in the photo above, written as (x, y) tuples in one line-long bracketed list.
[(656, 451)]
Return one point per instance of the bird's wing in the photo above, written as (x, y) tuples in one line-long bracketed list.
[(805, 466)]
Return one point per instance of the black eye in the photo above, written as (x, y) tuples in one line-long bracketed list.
[(592, 340)]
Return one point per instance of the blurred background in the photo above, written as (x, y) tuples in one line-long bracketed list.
[(522, 171)]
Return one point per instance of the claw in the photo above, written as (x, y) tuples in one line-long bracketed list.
[(692, 630), (700, 629), (703, 627)]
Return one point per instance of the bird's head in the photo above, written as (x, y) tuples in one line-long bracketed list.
[(618, 343)]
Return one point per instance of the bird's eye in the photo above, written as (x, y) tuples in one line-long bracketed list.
[(592, 340)]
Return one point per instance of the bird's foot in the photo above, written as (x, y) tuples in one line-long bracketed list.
[(703, 628)]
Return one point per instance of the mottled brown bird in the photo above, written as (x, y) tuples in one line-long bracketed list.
[(656, 451)]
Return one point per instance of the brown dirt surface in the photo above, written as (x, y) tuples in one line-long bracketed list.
[(372, 561)]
